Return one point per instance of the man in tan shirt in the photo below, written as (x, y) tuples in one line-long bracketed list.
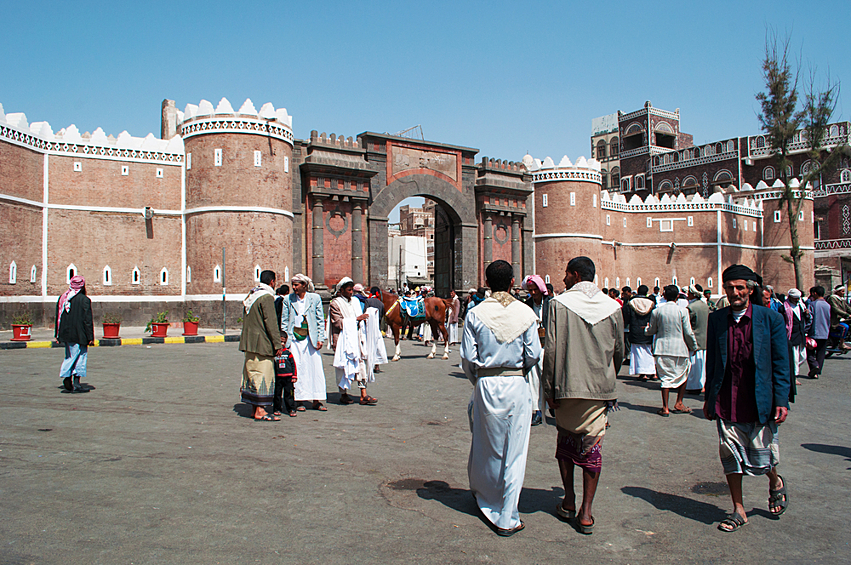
[(582, 357)]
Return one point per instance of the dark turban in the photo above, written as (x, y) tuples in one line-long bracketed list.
[(740, 273)]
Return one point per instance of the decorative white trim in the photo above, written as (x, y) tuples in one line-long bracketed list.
[(585, 235), (233, 124), (549, 175), (203, 209)]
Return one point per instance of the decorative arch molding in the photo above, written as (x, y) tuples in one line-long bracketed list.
[(664, 127), (633, 129), (722, 175)]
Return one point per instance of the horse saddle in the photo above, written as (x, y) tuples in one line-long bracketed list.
[(413, 307)]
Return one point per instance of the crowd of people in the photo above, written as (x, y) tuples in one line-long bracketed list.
[(560, 352)]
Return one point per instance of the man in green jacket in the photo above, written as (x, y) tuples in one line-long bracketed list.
[(582, 357), (261, 342)]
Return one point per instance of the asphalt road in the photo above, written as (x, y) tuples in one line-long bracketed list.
[(161, 464)]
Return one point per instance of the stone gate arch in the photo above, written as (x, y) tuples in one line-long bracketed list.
[(459, 249)]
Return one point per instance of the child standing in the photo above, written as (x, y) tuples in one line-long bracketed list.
[(285, 378)]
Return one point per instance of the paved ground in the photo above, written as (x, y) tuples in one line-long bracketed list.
[(160, 464)]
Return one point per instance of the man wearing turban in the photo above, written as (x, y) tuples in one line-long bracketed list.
[(74, 328)]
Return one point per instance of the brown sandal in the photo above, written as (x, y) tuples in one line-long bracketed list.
[(319, 406), (368, 401)]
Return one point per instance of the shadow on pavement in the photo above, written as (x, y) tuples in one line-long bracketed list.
[(461, 499), (648, 409), (243, 410), (840, 450), (685, 507)]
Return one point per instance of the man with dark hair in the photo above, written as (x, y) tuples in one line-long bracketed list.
[(675, 341), (636, 316), (583, 354), (261, 342), (499, 345), (819, 330), (453, 317), (747, 391), (839, 314), (75, 329)]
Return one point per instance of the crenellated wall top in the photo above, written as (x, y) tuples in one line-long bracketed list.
[(587, 170), (69, 141), (203, 118)]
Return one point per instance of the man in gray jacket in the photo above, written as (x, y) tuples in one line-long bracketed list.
[(698, 316), (674, 343), (582, 356)]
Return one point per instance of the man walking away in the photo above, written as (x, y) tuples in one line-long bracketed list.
[(797, 320), (583, 355), (499, 345), (747, 391), (261, 342), (698, 315), (539, 302), (674, 343), (819, 330), (636, 316), (75, 328)]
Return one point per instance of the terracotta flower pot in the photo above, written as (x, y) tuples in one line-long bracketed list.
[(110, 330), (190, 328), (159, 329), (21, 332)]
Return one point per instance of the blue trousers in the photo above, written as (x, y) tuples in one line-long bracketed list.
[(76, 357)]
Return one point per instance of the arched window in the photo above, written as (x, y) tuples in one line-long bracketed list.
[(614, 147), (107, 276), (845, 176), (136, 276), (731, 146), (768, 173), (674, 280), (627, 282), (719, 148), (217, 274), (601, 150), (33, 273), (70, 271), (616, 177), (164, 276), (188, 274), (639, 182), (256, 273), (637, 282), (617, 282), (606, 282), (709, 282), (604, 177), (834, 130), (547, 279), (760, 142), (13, 273), (665, 186), (691, 280)]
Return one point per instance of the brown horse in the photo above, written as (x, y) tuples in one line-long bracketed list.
[(435, 309)]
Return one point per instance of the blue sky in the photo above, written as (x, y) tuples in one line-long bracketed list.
[(503, 77)]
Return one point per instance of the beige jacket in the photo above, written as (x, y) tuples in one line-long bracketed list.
[(582, 360)]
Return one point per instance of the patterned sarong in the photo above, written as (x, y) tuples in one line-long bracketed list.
[(258, 380), (581, 426), (751, 449)]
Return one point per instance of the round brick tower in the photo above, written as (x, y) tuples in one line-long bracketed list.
[(567, 214), (238, 195)]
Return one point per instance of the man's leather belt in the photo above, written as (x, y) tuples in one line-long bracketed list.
[(499, 372)]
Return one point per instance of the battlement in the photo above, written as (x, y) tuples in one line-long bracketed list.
[(547, 171), (205, 109), (333, 140), (203, 119), (69, 140), (503, 165)]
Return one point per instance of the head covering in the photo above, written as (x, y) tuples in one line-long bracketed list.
[(537, 281), (794, 293), (836, 288), (343, 282), (358, 287), (77, 284), (740, 273), (693, 289), (304, 279), (471, 291)]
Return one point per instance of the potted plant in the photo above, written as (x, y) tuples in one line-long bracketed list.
[(111, 325), (190, 323), (158, 326), (22, 327)]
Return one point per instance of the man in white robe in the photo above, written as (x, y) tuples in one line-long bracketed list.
[(303, 321), (499, 346), (452, 317), (698, 313), (348, 339)]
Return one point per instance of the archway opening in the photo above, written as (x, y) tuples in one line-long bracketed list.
[(421, 245)]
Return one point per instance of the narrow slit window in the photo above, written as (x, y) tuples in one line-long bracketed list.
[(136, 276), (217, 157), (13, 273), (107, 276)]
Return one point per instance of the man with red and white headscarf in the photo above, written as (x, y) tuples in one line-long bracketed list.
[(539, 302), (74, 328)]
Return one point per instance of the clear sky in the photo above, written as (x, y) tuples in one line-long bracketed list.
[(503, 77)]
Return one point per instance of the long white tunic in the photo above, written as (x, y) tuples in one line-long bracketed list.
[(500, 413), (308, 361)]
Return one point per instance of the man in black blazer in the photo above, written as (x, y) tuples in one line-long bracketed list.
[(74, 328)]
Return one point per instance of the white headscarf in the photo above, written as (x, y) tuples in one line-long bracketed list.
[(304, 279)]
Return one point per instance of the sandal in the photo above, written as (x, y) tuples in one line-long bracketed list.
[(301, 408), (319, 406), (267, 418), (368, 401), (778, 498), (677, 411), (586, 529), (661, 412), (508, 532), (292, 414), (734, 521), (564, 513)]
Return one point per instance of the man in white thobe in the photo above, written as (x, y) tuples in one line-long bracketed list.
[(452, 317), (348, 339), (499, 345), (698, 315)]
